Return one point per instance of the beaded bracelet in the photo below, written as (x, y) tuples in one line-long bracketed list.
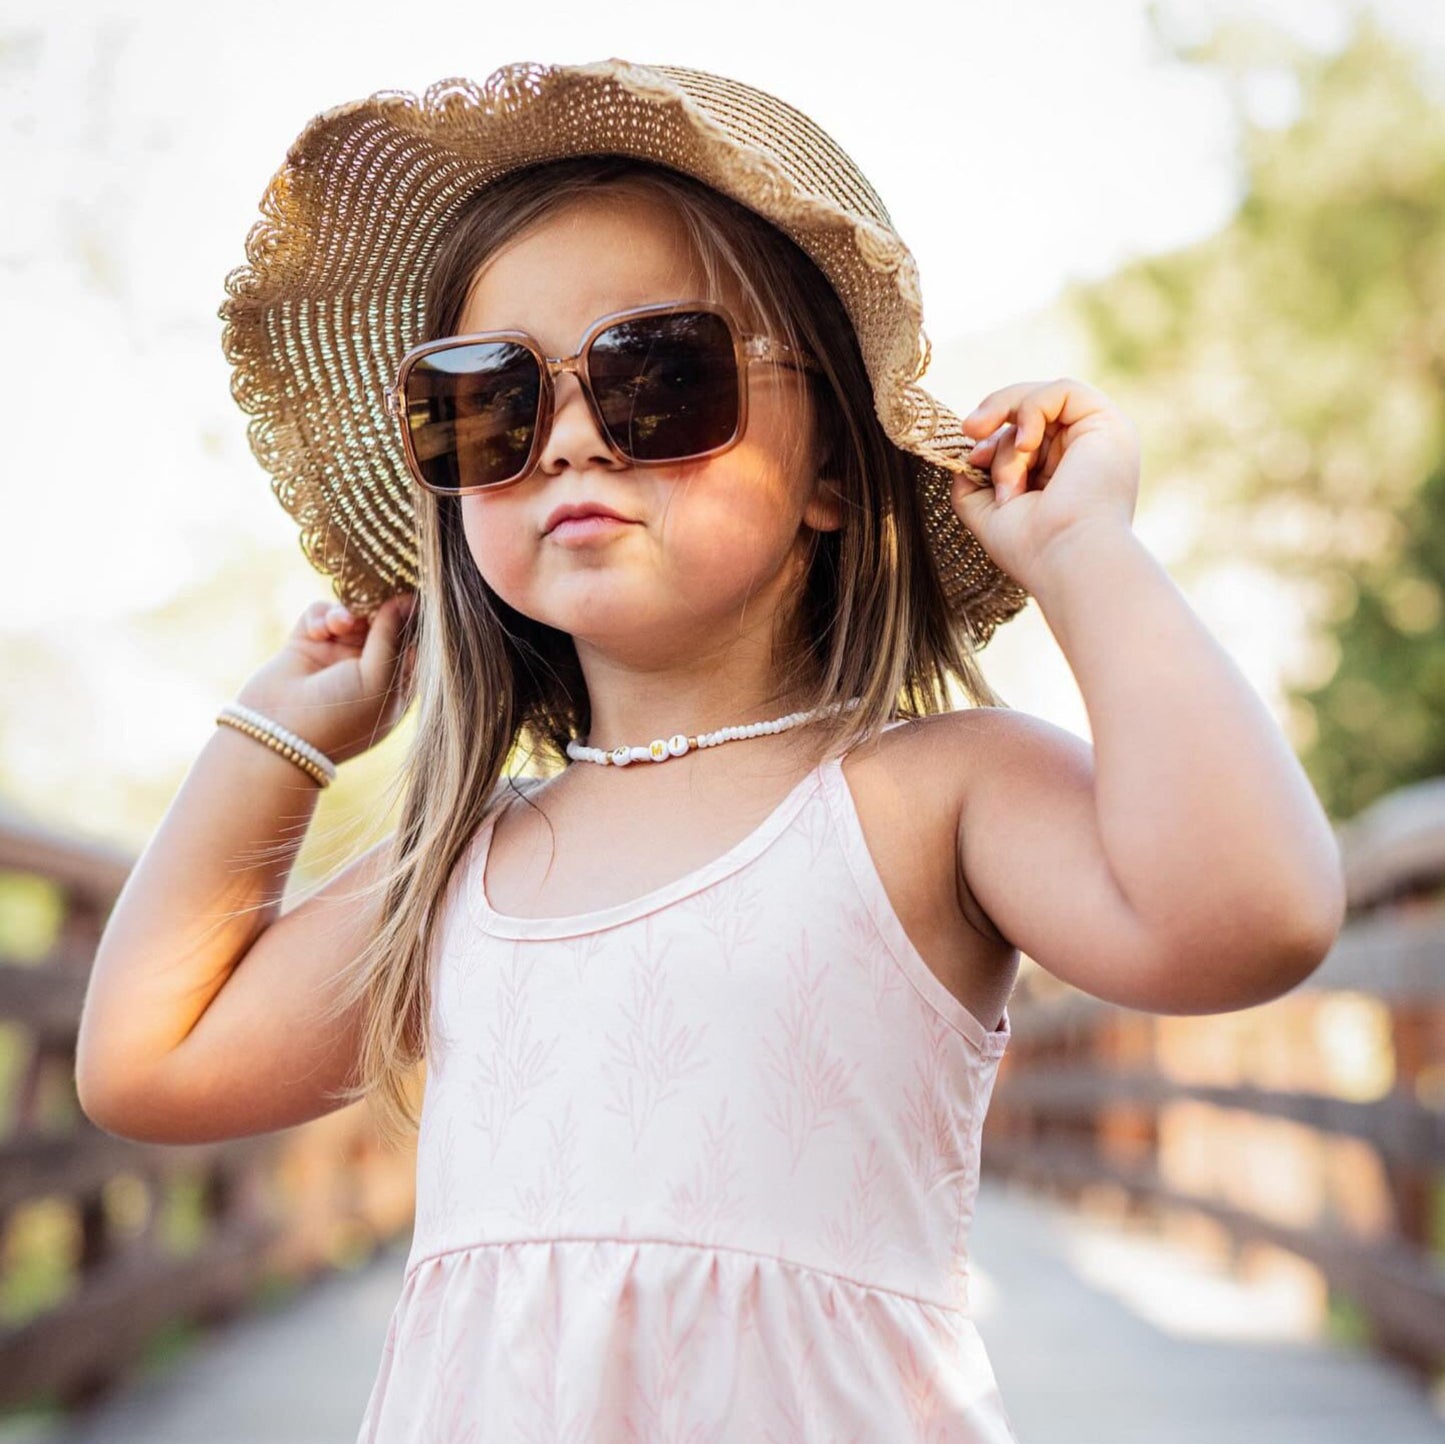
[(316, 765)]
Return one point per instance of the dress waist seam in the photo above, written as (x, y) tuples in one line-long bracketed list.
[(436, 1254)]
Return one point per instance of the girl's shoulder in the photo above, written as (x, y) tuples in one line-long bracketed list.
[(508, 789)]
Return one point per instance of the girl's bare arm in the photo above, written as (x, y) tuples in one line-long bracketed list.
[(198, 922), (202, 1017), (1183, 864)]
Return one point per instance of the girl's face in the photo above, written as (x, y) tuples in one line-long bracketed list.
[(705, 539)]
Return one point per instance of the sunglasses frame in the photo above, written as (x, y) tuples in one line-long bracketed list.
[(748, 348)]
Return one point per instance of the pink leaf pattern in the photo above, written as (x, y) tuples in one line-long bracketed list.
[(810, 1081), (931, 1410), (707, 1200), (514, 1066), (427, 1297), (861, 941), (854, 1237), (665, 1409), (556, 1194), (728, 916), (803, 1381), (815, 828), (928, 1122), (448, 1421), (701, 1175), (541, 1418), (585, 950), (651, 1055), (438, 1194)]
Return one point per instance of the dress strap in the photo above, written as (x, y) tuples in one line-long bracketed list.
[(911, 963)]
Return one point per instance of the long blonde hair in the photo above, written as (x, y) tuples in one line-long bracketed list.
[(870, 622)]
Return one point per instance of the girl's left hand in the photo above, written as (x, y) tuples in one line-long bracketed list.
[(1062, 458)]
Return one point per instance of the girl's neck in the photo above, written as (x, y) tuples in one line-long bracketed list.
[(638, 726)]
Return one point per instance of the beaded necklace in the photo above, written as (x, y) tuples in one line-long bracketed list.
[(680, 743)]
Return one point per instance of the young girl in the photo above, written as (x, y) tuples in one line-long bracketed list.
[(594, 388)]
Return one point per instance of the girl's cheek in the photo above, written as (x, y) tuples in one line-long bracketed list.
[(503, 553)]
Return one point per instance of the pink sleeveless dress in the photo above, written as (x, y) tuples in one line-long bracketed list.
[(700, 1166)]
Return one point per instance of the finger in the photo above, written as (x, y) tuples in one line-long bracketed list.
[(1063, 401), (997, 407), (984, 451), (344, 625), (1053, 450), (384, 637), (1029, 428), (314, 622), (1011, 469)]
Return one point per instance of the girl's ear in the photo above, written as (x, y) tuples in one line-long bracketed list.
[(824, 509)]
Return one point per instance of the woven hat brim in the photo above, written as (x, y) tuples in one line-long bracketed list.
[(317, 321)]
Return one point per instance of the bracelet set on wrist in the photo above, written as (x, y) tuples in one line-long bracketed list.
[(316, 765)]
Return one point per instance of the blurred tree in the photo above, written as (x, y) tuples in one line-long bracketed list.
[(1380, 719), (1288, 378)]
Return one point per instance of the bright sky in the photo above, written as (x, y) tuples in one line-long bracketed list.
[(138, 139)]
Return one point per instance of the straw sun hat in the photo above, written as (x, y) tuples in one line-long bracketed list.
[(318, 320)]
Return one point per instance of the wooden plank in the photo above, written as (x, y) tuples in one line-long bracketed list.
[(96, 1333), (45, 998), (1393, 956), (88, 868), (1401, 1128), (41, 1165)]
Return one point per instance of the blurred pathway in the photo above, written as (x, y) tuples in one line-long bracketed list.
[(1080, 1358), (1101, 1335)]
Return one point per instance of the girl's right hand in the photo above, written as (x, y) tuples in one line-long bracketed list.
[(341, 683)]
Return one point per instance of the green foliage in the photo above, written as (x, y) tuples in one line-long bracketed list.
[(1436, 1241), (1288, 379), (42, 1257), (1378, 718), (182, 1223), (1346, 1322)]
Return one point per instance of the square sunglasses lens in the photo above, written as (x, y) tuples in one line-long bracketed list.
[(471, 411), (667, 386)]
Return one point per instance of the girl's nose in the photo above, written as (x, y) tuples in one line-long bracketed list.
[(575, 439)]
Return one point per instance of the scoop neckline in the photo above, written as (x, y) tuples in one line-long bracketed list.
[(509, 925)]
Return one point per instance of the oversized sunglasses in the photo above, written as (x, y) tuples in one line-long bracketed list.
[(664, 383)]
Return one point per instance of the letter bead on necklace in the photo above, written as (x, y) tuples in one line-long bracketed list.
[(679, 743)]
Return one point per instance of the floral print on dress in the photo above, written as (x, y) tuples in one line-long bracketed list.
[(853, 1235), (809, 1074), (558, 1191), (652, 1052), (515, 1059), (707, 1200), (699, 1167), (929, 1123), (728, 915)]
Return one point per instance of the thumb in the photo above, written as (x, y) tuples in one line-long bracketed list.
[(386, 638), (972, 499)]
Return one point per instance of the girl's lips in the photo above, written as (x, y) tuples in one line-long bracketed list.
[(580, 530)]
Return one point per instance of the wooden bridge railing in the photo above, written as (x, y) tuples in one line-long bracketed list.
[(108, 1245), (1314, 1124), (1238, 1118)]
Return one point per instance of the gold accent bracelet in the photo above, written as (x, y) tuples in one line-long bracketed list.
[(316, 765)]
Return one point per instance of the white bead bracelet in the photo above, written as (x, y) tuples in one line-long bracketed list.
[(321, 768)]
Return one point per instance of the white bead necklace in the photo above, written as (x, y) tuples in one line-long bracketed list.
[(680, 743)]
